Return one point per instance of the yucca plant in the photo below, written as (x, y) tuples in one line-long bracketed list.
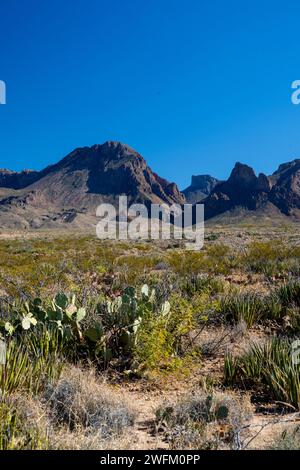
[(27, 367), (247, 307), (16, 370), (270, 364), (16, 433), (289, 294)]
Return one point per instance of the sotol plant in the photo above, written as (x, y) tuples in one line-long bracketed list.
[(270, 364)]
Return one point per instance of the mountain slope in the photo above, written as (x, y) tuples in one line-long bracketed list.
[(81, 181), (67, 193)]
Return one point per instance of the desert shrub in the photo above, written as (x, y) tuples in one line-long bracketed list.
[(193, 284), (163, 342), (131, 268), (215, 260), (80, 400), (202, 421), (154, 346), (269, 364), (271, 257), (185, 263)]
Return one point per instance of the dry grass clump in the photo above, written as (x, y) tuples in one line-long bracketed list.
[(79, 412), (82, 403), (22, 424)]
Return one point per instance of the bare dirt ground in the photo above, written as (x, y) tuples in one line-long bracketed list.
[(260, 433), (266, 423)]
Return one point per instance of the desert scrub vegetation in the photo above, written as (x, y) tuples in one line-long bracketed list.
[(240, 306), (216, 259), (203, 421), (271, 258), (142, 312), (78, 411), (280, 305), (16, 431), (270, 366), (289, 440), (139, 330)]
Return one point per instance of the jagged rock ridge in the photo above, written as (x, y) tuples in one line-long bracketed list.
[(245, 190)]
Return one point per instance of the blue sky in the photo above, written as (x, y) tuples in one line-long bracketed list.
[(193, 85)]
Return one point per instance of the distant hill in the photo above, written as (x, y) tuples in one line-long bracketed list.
[(201, 186)]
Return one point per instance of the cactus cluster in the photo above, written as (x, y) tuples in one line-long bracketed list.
[(113, 335), (118, 332), (62, 313)]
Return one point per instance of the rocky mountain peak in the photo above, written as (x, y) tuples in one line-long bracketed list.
[(85, 178), (201, 186), (242, 175)]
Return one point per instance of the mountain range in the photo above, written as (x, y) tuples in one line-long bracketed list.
[(68, 192)]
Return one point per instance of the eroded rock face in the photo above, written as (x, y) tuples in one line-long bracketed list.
[(201, 186), (69, 191), (285, 193), (243, 188)]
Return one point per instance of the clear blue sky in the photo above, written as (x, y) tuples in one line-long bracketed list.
[(193, 85)]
